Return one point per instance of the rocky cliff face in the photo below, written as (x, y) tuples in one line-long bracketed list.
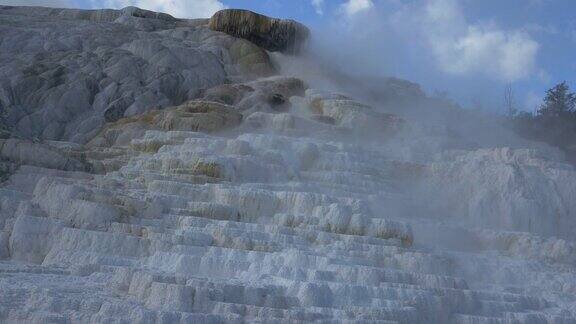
[(272, 34), (64, 73), (162, 172)]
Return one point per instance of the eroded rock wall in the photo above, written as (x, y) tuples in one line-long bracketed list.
[(272, 34)]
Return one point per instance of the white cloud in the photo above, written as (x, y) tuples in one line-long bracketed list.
[(177, 8), (461, 48), (506, 55), (41, 3), (318, 6), (352, 7)]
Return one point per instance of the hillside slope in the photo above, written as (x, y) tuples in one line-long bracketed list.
[(162, 172)]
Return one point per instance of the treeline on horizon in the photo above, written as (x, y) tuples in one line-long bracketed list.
[(554, 122)]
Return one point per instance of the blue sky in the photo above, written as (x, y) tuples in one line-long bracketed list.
[(469, 48)]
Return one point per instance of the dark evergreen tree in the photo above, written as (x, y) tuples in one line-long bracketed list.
[(554, 122), (559, 102)]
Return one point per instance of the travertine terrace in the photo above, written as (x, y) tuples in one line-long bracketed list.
[(159, 171)]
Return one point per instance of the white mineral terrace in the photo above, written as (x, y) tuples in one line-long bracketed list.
[(325, 210)]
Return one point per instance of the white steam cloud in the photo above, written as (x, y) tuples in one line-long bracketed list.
[(177, 8), (431, 42)]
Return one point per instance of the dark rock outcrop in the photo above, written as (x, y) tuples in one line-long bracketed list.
[(270, 33), (23, 152)]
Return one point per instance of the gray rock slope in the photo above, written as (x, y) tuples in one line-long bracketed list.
[(174, 177), (64, 72)]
